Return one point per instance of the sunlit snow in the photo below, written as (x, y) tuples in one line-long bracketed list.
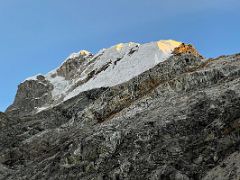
[(114, 65)]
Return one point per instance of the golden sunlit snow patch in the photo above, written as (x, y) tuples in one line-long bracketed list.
[(131, 44), (84, 52), (168, 45), (119, 46)]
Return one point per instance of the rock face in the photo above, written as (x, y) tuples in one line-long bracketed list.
[(83, 71), (30, 94), (179, 119)]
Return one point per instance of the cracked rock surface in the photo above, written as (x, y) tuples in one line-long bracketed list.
[(178, 120)]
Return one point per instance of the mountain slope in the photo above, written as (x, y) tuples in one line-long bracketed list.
[(177, 118), (83, 71)]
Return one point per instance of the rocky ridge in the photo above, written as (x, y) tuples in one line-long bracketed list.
[(178, 119)]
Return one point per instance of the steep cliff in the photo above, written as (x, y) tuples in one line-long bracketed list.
[(152, 111)]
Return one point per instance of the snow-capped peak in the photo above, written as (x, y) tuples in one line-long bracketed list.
[(124, 61), (109, 67), (80, 53), (167, 46)]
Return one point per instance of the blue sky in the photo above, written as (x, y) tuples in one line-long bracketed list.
[(36, 36)]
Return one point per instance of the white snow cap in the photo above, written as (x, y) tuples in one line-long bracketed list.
[(80, 53), (135, 59), (114, 65)]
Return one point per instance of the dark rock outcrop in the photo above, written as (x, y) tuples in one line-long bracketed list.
[(31, 94), (37, 92)]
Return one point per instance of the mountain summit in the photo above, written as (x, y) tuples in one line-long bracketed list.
[(84, 71), (157, 111)]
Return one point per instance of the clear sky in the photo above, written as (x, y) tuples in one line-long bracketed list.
[(37, 35)]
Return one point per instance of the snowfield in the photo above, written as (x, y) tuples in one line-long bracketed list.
[(112, 66)]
